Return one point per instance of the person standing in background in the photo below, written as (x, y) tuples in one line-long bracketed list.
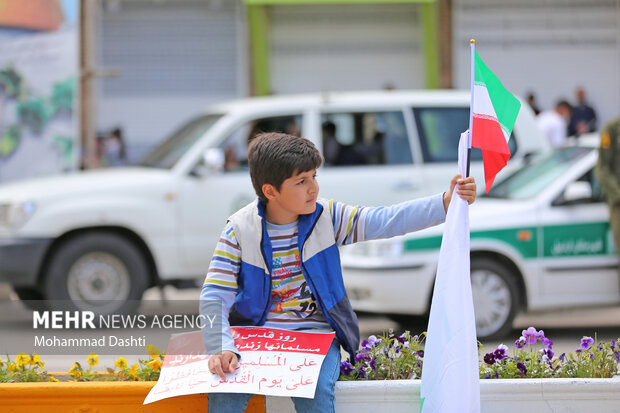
[(583, 119), (531, 100), (115, 149), (608, 173), (552, 123)]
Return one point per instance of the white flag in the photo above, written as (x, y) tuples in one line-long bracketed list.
[(450, 378)]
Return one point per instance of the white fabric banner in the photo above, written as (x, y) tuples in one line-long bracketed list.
[(450, 378)]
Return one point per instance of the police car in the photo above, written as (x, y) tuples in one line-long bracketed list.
[(540, 240)]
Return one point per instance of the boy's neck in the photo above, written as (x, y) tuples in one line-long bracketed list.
[(278, 216)]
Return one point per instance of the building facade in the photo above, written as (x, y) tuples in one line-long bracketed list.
[(174, 57)]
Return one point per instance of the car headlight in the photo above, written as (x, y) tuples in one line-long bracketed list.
[(14, 215), (383, 249)]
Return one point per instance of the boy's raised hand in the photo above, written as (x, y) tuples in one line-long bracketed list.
[(465, 188), (221, 364)]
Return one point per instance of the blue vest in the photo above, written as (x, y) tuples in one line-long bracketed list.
[(320, 264)]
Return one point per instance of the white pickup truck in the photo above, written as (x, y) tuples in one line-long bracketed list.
[(101, 238)]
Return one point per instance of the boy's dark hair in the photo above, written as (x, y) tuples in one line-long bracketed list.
[(274, 157)]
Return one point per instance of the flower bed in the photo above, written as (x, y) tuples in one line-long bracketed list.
[(378, 379), (401, 357), (30, 368)]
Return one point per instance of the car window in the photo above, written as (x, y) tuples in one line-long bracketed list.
[(533, 178), (597, 192), (365, 138), (440, 129), (235, 146), (166, 154)]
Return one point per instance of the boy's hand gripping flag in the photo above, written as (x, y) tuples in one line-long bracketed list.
[(495, 111)]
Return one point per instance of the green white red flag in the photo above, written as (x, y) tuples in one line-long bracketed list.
[(495, 112)]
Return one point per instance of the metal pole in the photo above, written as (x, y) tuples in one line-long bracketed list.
[(87, 63), (472, 47)]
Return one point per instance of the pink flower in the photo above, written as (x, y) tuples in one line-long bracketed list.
[(531, 335)]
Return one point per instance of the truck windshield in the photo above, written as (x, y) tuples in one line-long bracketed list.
[(166, 154), (533, 178)]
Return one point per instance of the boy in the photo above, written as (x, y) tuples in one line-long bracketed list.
[(277, 263)]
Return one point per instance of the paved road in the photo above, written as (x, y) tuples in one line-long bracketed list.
[(565, 327)]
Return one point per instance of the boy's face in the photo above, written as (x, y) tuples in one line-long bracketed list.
[(297, 196)]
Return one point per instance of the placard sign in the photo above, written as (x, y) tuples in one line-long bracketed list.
[(273, 362)]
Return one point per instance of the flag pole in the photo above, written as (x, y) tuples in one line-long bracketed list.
[(472, 47)]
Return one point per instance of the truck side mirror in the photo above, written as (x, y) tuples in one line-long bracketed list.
[(213, 159), (212, 162)]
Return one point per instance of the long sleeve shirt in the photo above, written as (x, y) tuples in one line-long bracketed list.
[(293, 306)]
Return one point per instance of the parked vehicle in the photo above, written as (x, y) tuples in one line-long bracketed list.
[(540, 240), (100, 238)]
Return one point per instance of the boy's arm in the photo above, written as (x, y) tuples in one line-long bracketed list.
[(220, 286), (353, 223)]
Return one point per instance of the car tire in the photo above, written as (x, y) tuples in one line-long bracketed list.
[(31, 298), (413, 323), (496, 298), (100, 272)]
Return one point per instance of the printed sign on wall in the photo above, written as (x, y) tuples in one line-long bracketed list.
[(39, 67)]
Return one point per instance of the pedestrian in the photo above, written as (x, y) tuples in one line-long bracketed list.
[(531, 100), (277, 263), (553, 123), (583, 118), (115, 148), (608, 173)]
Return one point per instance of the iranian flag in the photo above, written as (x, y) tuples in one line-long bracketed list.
[(495, 111)]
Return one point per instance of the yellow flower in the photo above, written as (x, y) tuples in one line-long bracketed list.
[(36, 359), (53, 379), (76, 370), (93, 359), (153, 351), (11, 367), (155, 364), (121, 363), (133, 371), (22, 359)]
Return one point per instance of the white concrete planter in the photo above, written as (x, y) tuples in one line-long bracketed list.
[(498, 395)]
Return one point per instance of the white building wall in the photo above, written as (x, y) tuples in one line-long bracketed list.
[(345, 47), (548, 47)]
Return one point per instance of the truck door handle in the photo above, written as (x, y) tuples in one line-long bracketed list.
[(404, 186)]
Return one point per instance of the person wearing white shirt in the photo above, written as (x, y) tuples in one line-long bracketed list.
[(553, 123)]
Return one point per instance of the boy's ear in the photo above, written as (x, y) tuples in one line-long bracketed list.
[(269, 191)]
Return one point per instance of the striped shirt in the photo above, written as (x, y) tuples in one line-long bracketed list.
[(293, 306)]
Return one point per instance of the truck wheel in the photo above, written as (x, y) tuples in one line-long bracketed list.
[(31, 298), (496, 298), (100, 272)]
